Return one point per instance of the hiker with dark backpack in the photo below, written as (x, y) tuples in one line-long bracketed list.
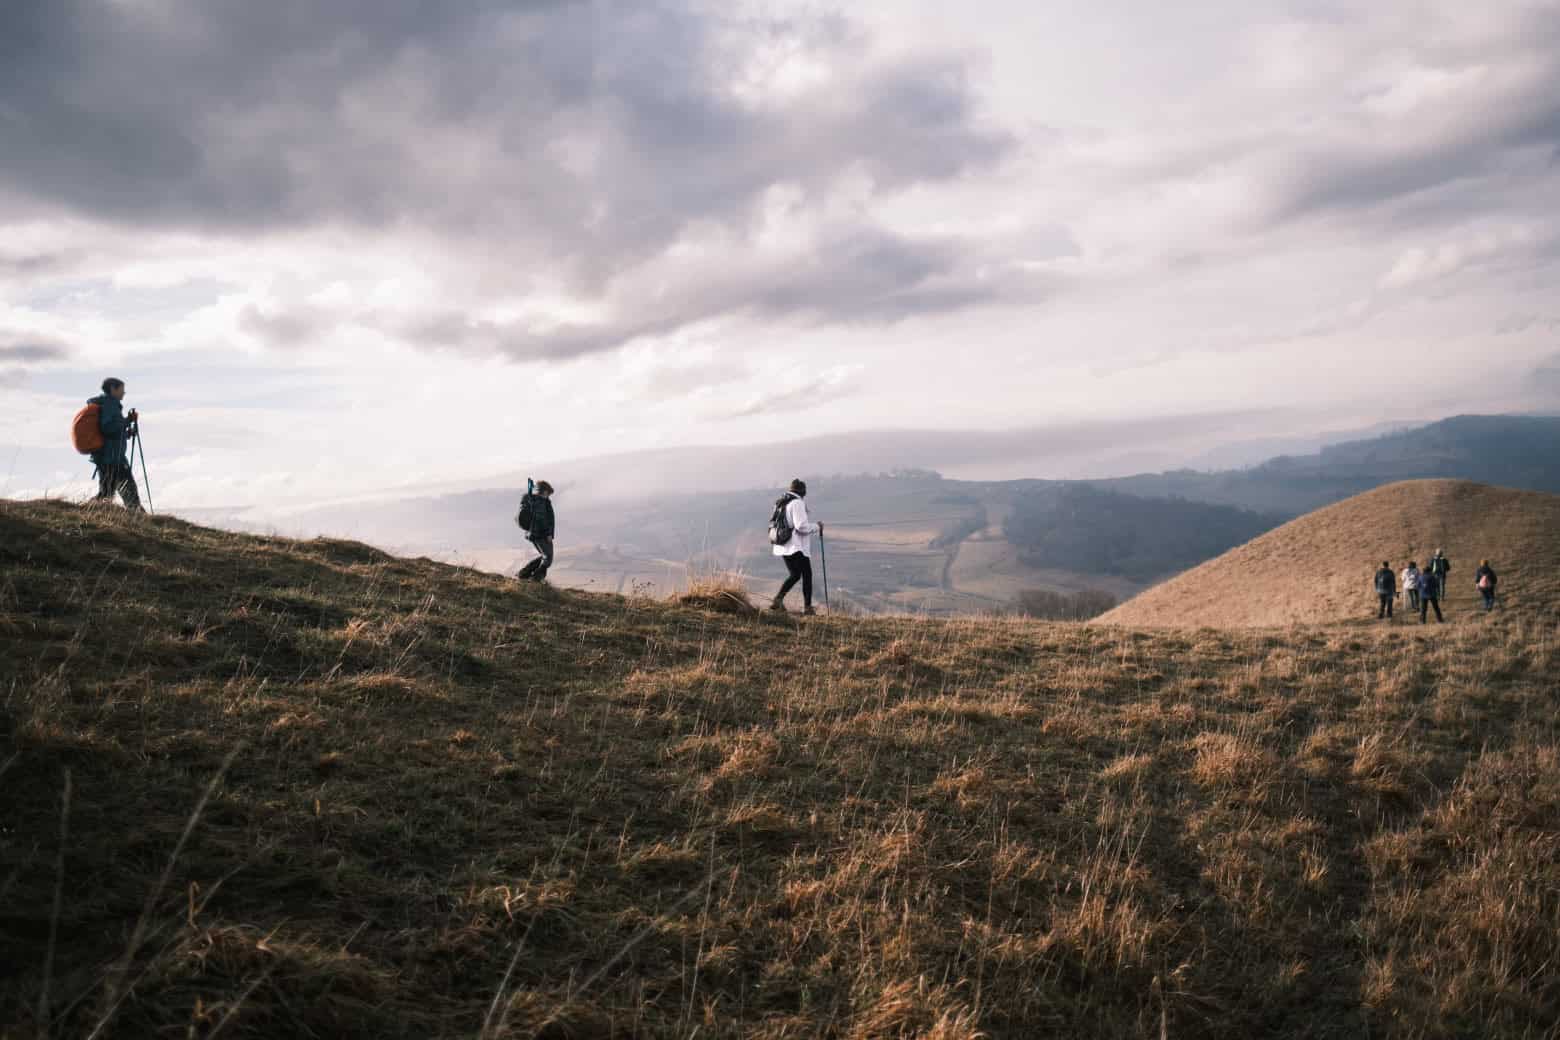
[(536, 519), (1386, 590), (790, 538), (1437, 570), (1429, 596), (103, 430), (1484, 579)]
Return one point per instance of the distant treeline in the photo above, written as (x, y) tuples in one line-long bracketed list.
[(1064, 606), (1079, 527)]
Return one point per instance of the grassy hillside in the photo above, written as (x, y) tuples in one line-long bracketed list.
[(255, 787), (1320, 567)]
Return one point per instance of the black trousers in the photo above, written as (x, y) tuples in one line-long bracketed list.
[(1425, 603), (1413, 599), (536, 570), (1386, 605), (800, 570), (119, 480)]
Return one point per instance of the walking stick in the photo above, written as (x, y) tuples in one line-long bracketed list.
[(823, 558), (146, 481)]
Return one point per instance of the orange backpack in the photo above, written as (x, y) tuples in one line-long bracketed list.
[(85, 433)]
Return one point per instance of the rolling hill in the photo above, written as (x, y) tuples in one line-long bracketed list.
[(255, 787), (1319, 568)]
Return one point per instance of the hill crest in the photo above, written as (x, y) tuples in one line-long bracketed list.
[(1318, 568)]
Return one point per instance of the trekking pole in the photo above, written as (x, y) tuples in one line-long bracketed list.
[(823, 558), (146, 481)]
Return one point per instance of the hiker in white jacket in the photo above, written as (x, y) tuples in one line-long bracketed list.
[(797, 549), (1411, 585)]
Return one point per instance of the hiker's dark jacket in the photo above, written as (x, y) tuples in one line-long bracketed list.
[(1386, 582), (542, 520), (1478, 576), (111, 421)]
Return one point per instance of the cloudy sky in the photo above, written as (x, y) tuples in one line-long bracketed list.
[(335, 245)]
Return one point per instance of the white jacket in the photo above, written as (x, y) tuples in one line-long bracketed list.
[(1410, 580), (801, 528)]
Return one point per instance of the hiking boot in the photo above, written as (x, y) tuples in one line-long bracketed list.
[(808, 611), (777, 604)]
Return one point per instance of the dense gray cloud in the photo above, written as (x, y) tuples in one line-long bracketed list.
[(21, 348), (586, 138)]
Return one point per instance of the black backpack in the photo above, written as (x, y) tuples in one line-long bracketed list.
[(524, 517), (780, 530)]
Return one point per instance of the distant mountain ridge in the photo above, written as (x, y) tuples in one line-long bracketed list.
[(1508, 450)]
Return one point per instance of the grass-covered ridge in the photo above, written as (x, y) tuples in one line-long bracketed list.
[(444, 804)]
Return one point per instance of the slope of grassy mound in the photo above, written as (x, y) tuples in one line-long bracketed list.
[(1320, 568), (255, 787)]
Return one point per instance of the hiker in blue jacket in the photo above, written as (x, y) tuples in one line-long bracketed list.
[(536, 511), (112, 459)]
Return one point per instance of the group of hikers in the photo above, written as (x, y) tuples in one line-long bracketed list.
[(790, 537), (1424, 588), (103, 430)]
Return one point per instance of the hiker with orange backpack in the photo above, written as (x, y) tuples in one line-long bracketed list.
[(103, 430), (1484, 579)]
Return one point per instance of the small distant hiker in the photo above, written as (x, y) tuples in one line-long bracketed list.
[(114, 428), (790, 535), (1485, 579), (1411, 585), (1386, 590), (1438, 568), (536, 519), (1429, 596)]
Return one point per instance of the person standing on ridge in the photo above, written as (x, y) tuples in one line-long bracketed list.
[(1484, 578), (1411, 585), (1438, 568), (112, 460), (1386, 590), (790, 535), (536, 519), (1429, 596)]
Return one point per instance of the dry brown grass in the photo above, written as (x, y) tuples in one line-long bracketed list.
[(724, 592), (1319, 569), (461, 807)]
